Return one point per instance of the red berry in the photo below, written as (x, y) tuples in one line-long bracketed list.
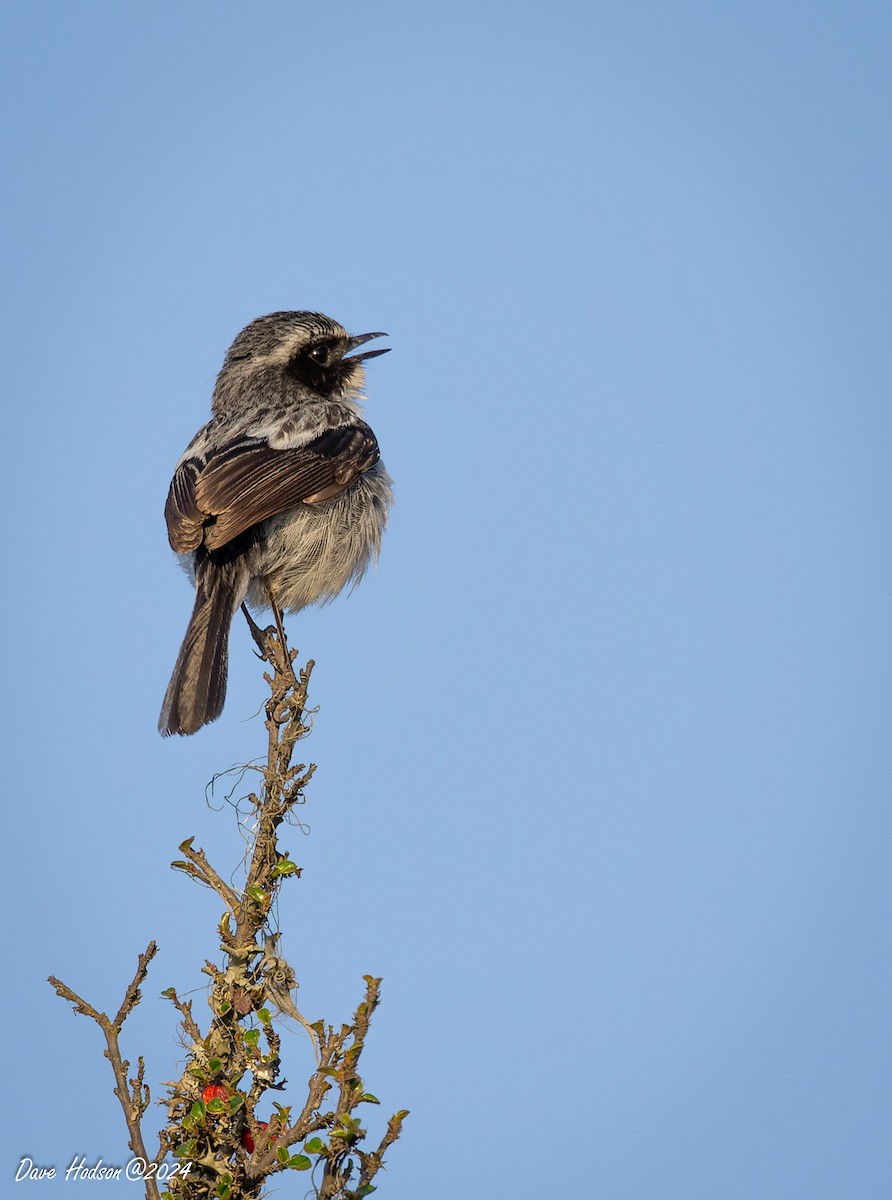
[(248, 1140), (215, 1091)]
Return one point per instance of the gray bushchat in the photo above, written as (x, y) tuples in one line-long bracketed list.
[(280, 500)]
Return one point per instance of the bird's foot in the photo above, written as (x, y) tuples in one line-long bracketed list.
[(259, 635)]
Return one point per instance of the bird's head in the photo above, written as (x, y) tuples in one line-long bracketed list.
[(305, 347)]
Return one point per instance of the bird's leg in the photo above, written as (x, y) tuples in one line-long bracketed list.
[(277, 613), (257, 633)]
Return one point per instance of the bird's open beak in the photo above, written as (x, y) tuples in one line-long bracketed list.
[(360, 340)]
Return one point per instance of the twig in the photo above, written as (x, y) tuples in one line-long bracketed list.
[(199, 868), (134, 1096)]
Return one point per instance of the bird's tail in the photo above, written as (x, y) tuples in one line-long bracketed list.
[(197, 688)]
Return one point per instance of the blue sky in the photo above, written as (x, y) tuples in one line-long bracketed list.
[(603, 787)]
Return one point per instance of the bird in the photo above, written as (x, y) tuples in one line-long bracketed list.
[(280, 500)]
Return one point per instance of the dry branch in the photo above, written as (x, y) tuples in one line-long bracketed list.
[(220, 1147)]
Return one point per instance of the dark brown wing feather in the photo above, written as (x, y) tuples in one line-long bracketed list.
[(247, 481), (185, 520)]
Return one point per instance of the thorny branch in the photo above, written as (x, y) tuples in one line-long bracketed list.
[(223, 1150)]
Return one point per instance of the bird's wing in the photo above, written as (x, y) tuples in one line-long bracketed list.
[(246, 481), (185, 520)]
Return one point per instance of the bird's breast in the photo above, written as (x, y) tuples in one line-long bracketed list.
[(311, 552)]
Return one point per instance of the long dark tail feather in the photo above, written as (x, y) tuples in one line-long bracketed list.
[(197, 688)]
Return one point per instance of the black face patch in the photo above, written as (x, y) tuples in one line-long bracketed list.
[(321, 366)]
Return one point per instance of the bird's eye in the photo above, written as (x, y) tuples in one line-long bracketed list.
[(321, 355)]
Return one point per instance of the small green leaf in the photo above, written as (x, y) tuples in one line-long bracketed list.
[(216, 1106), (169, 993), (264, 1015), (187, 845), (258, 894), (299, 1162), (236, 1102), (369, 1098), (198, 1111), (187, 1150), (314, 1145), (282, 1155), (252, 1037), (285, 867), (214, 1065)]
